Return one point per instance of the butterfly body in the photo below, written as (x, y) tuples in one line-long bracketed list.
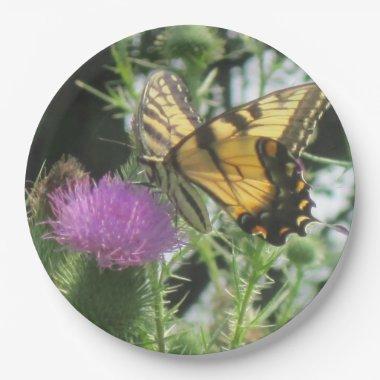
[(244, 159), (182, 195)]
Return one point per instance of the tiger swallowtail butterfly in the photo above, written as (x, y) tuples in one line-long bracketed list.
[(244, 159)]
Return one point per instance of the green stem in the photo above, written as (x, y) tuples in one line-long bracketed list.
[(101, 95), (146, 64), (263, 77), (124, 68), (239, 327), (204, 87), (328, 161), (193, 75), (288, 313), (207, 255), (271, 306), (158, 305)]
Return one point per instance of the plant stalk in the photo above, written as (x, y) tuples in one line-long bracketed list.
[(239, 327), (158, 305), (263, 77), (288, 312)]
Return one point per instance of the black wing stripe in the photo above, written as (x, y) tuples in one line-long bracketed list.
[(193, 204)]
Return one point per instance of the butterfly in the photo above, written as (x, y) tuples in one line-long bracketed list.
[(244, 159)]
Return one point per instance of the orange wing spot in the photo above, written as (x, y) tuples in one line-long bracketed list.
[(271, 148), (260, 230), (301, 219), (284, 230), (300, 186), (303, 204)]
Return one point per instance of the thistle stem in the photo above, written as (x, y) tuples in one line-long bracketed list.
[(208, 256), (288, 311), (239, 327), (158, 305)]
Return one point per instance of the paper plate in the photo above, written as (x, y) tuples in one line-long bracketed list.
[(189, 189)]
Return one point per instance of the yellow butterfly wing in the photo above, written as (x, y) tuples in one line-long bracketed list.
[(165, 115), (164, 118), (254, 179), (288, 116), (245, 160)]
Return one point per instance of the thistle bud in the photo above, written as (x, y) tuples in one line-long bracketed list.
[(302, 250)]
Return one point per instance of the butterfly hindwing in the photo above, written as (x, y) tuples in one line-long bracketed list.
[(290, 210), (188, 202), (255, 180)]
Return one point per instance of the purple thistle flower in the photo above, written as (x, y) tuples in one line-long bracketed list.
[(119, 224)]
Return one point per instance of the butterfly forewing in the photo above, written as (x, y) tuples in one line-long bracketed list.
[(165, 115), (289, 116), (164, 118)]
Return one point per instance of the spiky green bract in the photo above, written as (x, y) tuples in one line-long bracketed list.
[(117, 301)]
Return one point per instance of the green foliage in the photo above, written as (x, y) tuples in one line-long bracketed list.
[(197, 44), (246, 284)]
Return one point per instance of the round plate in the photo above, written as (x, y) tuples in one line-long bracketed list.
[(189, 189)]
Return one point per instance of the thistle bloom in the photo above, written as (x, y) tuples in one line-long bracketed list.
[(119, 224)]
